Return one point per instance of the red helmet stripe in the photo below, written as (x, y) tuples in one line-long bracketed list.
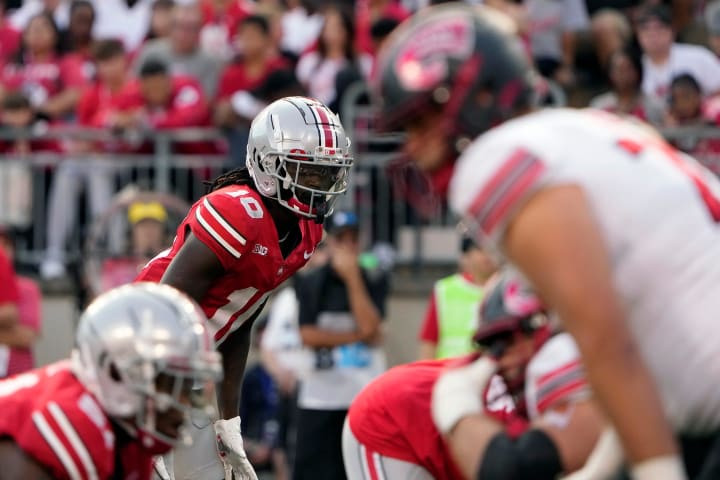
[(328, 139)]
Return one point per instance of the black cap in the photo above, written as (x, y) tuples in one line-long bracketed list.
[(655, 12)]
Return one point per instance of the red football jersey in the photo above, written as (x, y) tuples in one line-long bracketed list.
[(57, 422), (391, 416), (234, 223)]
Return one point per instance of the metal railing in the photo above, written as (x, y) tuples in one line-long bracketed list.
[(30, 197)]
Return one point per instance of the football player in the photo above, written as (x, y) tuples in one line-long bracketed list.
[(127, 392), (616, 229), (252, 231), (551, 414)]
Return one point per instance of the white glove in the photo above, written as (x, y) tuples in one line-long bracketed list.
[(605, 460), (160, 470), (231, 451), (459, 392), (669, 467)]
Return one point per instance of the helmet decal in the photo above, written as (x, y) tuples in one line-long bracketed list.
[(422, 62)]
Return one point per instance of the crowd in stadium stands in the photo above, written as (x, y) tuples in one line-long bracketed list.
[(124, 65)]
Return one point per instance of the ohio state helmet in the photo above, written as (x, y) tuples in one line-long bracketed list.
[(299, 155), (511, 310), (132, 338), (466, 62), (511, 306)]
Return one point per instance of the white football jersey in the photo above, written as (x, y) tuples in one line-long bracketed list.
[(554, 375), (658, 211)]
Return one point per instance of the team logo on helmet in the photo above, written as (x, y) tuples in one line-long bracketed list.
[(422, 63)]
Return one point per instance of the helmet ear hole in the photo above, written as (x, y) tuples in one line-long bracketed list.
[(115, 373)]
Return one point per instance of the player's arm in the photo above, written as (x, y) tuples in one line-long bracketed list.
[(16, 464), (559, 441), (194, 269), (556, 242)]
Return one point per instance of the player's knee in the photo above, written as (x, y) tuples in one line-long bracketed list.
[(532, 456)]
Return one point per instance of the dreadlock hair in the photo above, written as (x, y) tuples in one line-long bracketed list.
[(237, 176)]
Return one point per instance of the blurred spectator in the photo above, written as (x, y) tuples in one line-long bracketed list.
[(9, 310), (301, 25), (625, 71), (9, 37), (260, 404), (712, 24), (77, 40), (181, 50), (16, 113), (687, 109), (159, 100), (77, 37), (257, 59), (160, 19), (148, 237), (318, 70), (381, 29), (663, 59), (59, 9), (367, 12), (451, 318), (340, 319), (284, 357), (128, 20), (221, 20), (96, 106), (23, 335), (611, 31), (51, 83), (553, 28)]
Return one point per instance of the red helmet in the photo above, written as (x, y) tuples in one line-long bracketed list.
[(465, 61)]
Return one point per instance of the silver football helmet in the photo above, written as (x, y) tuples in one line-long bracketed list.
[(143, 350), (298, 154)]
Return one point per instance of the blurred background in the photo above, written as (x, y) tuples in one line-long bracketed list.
[(113, 114)]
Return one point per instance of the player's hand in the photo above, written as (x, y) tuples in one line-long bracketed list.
[(458, 392), (605, 460), (231, 451), (344, 261)]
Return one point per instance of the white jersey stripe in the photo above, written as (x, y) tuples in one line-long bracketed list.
[(229, 228), (215, 234), (379, 470), (363, 461), (74, 439), (54, 442)]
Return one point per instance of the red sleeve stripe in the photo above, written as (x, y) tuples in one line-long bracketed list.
[(576, 386), (570, 378), (568, 367), (56, 445), (72, 436), (505, 188)]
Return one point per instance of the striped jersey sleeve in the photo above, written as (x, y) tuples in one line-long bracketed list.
[(72, 447), (221, 220), (504, 190), (555, 375)]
